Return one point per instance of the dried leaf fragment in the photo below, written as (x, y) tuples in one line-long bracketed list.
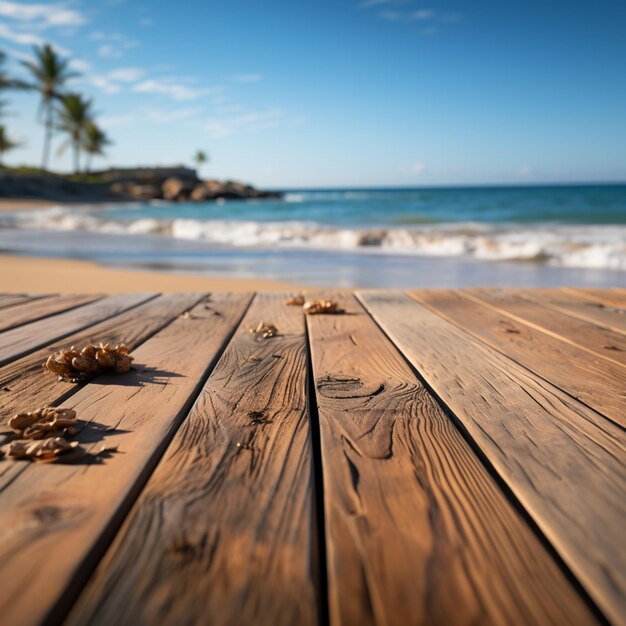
[(295, 301), (40, 423), (93, 359), (264, 330), (320, 307)]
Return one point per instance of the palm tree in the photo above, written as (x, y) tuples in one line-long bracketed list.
[(200, 157), (75, 116), (50, 72), (94, 142), (5, 81), (6, 143)]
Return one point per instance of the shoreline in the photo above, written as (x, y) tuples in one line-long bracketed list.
[(51, 275), (10, 205)]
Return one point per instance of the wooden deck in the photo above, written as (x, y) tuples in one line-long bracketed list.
[(428, 457)]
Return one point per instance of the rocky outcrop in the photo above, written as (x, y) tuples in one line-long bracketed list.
[(50, 187), (135, 184), (177, 188)]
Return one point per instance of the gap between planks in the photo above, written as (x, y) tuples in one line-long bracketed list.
[(224, 531), (562, 461), (73, 510)]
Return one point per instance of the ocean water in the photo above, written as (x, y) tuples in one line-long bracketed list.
[(453, 236)]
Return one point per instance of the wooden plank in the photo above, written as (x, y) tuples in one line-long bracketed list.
[(19, 341), (417, 530), (599, 340), (586, 309), (56, 520), (43, 307), (224, 531), (11, 299), (562, 461), (23, 384), (609, 297), (599, 383)]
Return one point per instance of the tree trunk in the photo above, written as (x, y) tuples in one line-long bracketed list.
[(47, 136), (76, 155)]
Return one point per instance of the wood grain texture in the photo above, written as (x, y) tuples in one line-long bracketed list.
[(594, 380), (25, 386), (578, 306), (11, 299), (224, 531), (562, 461), (610, 297), (43, 307), (597, 339), (56, 520), (417, 530), (20, 341)]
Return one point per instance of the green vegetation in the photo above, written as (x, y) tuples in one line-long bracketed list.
[(50, 73), (6, 143), (75, 116), (95, 141), (200, 157), (69, 113)]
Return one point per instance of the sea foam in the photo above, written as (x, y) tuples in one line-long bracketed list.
[(567, 245)]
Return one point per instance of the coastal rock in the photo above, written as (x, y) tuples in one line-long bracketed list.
[(126, 184), (143, 192), (201, 193), (177, 189)]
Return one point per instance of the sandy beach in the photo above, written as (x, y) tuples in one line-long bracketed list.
[(10, 205), (38, 275)]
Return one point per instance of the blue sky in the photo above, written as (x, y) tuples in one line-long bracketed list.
[(345, 92)]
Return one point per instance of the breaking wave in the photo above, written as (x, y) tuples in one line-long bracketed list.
[(566, 245)]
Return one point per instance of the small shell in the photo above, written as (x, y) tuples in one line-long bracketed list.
[(89, 351), (59, 367), (264, 330), (92, 359), (295, 301), (319, 307), (85, 365), (42, 450), (123, 363), (105, 358)]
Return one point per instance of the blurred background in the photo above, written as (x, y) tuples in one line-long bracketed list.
[(387, 143)]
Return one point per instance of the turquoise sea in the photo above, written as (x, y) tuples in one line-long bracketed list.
[(346, 237)]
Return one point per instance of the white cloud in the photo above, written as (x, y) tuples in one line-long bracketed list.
[(176, 91), (159, 116), (366, 4), (247, 78), (79, 65), (109, 82), (422, 14), (26, 39), (417, 168), (44, 15), (112, 45), (524, 170), (397, 11), (115, 121), (391, 16), (145, 22), (254, 121), (103, 83), (126, 74), (108, 51), (29, 39)]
